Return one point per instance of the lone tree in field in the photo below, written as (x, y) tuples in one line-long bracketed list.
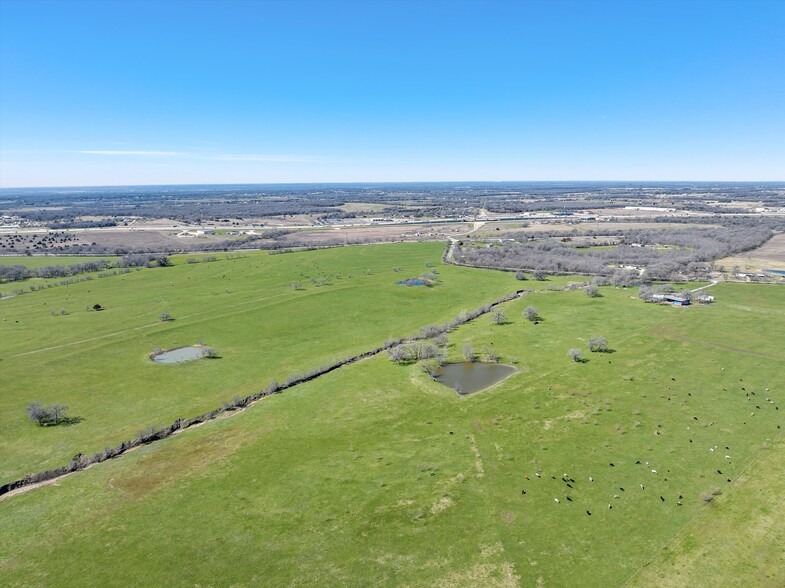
[(575, 354), (296, 286), (592, 291), (539, 275), (499, 318), (597, 345), (519, 275), (46, 415), (530, 313), (468, 353), (165, 317)]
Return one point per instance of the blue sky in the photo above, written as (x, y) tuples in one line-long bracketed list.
[(149, 92)]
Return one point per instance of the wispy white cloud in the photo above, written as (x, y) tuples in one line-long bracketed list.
[(140, 153)]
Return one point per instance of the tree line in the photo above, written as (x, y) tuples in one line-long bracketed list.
[(664, 253), (16, 273)]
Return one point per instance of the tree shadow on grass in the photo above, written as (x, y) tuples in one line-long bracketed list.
[(64, 422)]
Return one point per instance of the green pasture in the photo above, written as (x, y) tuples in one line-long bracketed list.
[(376, 475), (98, 362), (47, 260)]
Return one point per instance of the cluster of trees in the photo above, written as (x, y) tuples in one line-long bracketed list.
[(27, 243), (203, 259), (143, 260), (415, 351), (431, 342), (82, 224), (470, 355), (664, 253), (595, 345), (47, 415), (16, 273)]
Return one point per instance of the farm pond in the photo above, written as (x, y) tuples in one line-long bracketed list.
[(179, 355), (470, 377)]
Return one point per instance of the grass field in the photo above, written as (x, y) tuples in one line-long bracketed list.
[(45, 260), (98, 362), (770, 255), (375, 474)]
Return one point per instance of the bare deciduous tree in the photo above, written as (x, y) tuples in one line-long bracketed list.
[(499, 318), (597, 344), (575, 354), (165, 317), (428, 351), (430, 331), (397, 354), (468, 353), (530, 313), (430, 367), (43, 415), (592, 291)]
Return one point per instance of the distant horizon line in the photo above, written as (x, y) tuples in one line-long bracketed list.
[(391, 182)]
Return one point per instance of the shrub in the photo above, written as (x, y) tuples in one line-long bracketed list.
[(597, 344), (592, 291)]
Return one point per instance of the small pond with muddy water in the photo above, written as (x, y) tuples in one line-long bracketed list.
[(179, 355), (470, 377)]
